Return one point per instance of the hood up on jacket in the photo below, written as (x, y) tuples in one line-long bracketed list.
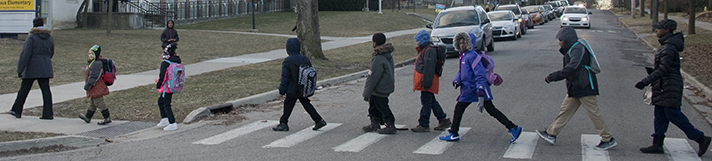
[(469, 37), (383, 49), (293, 46), (569, 36), (170, 21), (677, 40), (41, 32)]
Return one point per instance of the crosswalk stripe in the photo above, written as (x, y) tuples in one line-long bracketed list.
[(300, 136), (524, 147), (437, 146), (359, 143), (589, 141), (217, 139), (680, 150)]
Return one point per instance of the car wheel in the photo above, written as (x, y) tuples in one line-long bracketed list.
[(490, 47), (531, 27), (524, 30)]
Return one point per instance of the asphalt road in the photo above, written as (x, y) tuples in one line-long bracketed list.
[(524, 97)]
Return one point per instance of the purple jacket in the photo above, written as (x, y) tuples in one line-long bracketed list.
[(471, 75)]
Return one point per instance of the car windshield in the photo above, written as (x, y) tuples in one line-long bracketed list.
[(532, 8), (548, 7), (457, 18), (575, 10), (500, 16), (514, 9)]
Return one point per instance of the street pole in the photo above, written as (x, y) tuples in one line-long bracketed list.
[(380, 3), (254, 29)]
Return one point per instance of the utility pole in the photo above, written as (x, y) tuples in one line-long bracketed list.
[(109, 23), (254, 29)]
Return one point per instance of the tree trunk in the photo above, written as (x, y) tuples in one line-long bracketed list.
[(308, 28), (109, 22), (654, 11), (691, 26), (632, 9), (642, 8), (665, 9)]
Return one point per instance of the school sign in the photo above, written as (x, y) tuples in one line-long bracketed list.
[(16, 15)]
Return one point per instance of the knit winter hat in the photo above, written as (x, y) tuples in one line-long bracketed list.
[(422, 37), (379, 38), (37, 22), (96, 49), (666, 24)]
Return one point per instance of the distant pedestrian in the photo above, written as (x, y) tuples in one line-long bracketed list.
[(474, 87), (289, 87), (35, 63), (95, 87), (169, 35), (426, 79), (582, 90), (379, 85), (667, 86), (168, 120)]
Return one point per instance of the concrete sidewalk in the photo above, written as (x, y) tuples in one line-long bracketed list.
[(71, 91)]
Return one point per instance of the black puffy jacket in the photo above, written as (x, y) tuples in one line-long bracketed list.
[(666, 79), (580, 82)]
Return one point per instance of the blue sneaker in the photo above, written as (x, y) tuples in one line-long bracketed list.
[(450, 137), (515, 133)]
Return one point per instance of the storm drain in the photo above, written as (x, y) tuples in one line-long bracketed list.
[(113, 131)]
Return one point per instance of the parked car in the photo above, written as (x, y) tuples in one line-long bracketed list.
[(524, 17), (470, 19), (558, 8), (537, 14), (505, 25), (549, 11), (576, 16), (564, 3)]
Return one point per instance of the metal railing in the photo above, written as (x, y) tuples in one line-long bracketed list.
[(220, 8)]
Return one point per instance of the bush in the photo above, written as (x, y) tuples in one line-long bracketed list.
[(341, 5)]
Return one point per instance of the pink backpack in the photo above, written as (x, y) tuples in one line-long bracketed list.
[(492, 78), (174, 79)]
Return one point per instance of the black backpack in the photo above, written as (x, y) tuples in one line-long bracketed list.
[(441, 56)]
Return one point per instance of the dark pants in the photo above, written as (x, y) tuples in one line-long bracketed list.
[(289, 103), (164, 105), (665, 115), (25, 90), (378, 107), (427, 99), (489, 107)]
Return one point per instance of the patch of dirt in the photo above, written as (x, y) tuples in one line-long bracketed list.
[(35, 150), (696, 60), (236, 116)]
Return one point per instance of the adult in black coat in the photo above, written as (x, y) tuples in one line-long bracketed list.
[(169, 34), (667, 85), (35, 63)]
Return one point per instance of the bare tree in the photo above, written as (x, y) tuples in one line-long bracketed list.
[(654, 11), (642, 8), (109, 22), (691, 26), (308, 28)]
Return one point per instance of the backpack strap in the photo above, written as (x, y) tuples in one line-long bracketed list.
[(587, 67)]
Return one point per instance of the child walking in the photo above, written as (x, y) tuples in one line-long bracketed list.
[(471, 78), (95, 87), (168, 121)]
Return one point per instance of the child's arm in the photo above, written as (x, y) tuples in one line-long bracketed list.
[(161, 74)]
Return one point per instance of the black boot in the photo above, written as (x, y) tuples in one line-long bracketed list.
[(281, 127), (107, 117), (374, 126), (390, 128), (657, 147), (704, 144), (87, 117)]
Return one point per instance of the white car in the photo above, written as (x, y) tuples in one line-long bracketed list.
[(576, 16), (504, 24)]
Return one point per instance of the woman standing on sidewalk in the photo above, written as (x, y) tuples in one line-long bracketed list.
[(35, 64)]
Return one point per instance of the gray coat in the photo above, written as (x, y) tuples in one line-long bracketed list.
[(381, 82), (36, 57)]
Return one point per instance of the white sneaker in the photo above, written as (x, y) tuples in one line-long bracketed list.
[(171, 127), (163, 123)]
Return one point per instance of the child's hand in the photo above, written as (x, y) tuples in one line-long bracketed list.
[(455, 84)]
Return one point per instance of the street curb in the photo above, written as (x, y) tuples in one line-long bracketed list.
[(197, 114), (687, 77), (69, 140)]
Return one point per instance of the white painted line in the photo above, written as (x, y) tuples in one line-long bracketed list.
[(680, 150), (589, 141), (397, 126), (217, 139), (437, 146), (300, 136), (524, 147), (359, 143)]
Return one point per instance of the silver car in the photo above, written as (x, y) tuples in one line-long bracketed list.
[(470, 19), (505, 25)]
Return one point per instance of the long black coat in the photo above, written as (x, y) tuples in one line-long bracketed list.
[(665, 78), (36, 57)]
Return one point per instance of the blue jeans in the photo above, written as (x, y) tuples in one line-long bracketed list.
[(427, 99), (665, 115)]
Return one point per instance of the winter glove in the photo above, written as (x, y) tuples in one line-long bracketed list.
[(455, 84), (366, 99), (547, 79), (649, 70), (640, 85)]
